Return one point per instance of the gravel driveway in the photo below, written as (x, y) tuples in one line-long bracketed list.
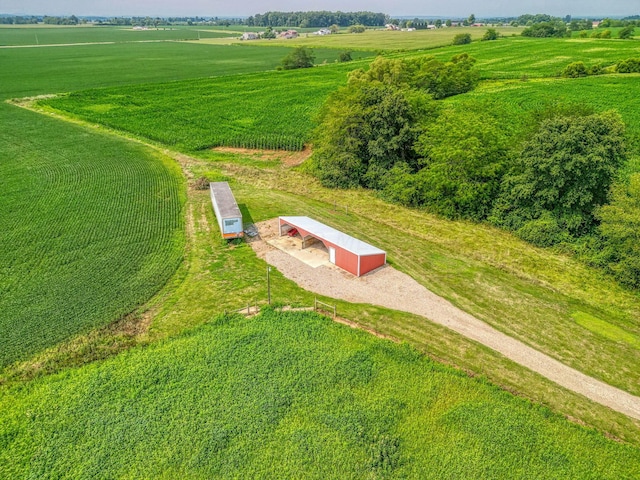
[(387, 287)]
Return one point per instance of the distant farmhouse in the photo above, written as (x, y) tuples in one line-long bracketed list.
[(289, 34)]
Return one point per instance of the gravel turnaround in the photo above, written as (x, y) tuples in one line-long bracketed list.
[(387, 287)]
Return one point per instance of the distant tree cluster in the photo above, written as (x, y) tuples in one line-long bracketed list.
[(556, 29), (317, 19), (19, 20), (72, 20)]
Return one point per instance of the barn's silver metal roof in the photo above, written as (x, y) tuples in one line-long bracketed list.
[(338, 238), (224, 199)]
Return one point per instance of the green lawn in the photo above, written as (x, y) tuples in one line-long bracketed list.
[(289, 395)]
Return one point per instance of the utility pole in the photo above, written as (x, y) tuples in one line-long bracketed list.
[(268, 286)]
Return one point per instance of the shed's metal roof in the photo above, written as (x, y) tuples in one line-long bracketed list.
[(224, 199), (341, 239)]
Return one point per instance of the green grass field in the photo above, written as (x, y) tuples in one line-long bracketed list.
[(48, 70), (503, 300), (388, 41), (289, 395)]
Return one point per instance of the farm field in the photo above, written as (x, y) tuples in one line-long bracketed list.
[(92, 228), (262, 110), (543, 298), (518, 57), (291, 395), (549, 326), (56, 35), (387, 41), (47, 70)]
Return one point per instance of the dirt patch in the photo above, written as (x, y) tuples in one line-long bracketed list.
[(390, 288), (287, 157)]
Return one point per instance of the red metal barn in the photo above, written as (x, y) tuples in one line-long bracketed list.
[(353, 255)]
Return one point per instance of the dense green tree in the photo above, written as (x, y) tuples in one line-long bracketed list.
[(575, 70), (345, 57), (369, 129), (619, 231), (440, 79), (300, 57), (472, 19), (546, 29), (630, 65), (463, 157), (626, 32), (365, 129), (562, 175)]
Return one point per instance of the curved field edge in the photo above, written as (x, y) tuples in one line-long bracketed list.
[(289, 395), (93, 228)]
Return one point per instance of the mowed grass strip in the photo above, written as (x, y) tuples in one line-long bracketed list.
[(92, 227), (289, 395)]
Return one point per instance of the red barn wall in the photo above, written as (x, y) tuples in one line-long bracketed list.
[(371, 262)]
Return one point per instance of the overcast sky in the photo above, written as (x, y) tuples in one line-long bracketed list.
[(448, 8)]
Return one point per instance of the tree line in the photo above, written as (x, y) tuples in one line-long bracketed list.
[(317, 19), (555, 181)]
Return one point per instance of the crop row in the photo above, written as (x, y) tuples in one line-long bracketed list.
[(91, 230), (269, 110)]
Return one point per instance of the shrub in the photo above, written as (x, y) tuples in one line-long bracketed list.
[(490, 34), (300, 57), (575, 70), (462, 39), (626, 32), (344, 57), (630, 65), (356, 29)]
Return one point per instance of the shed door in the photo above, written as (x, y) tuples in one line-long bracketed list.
[(332, 255)]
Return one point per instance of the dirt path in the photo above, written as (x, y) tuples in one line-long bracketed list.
[(387, 287)]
